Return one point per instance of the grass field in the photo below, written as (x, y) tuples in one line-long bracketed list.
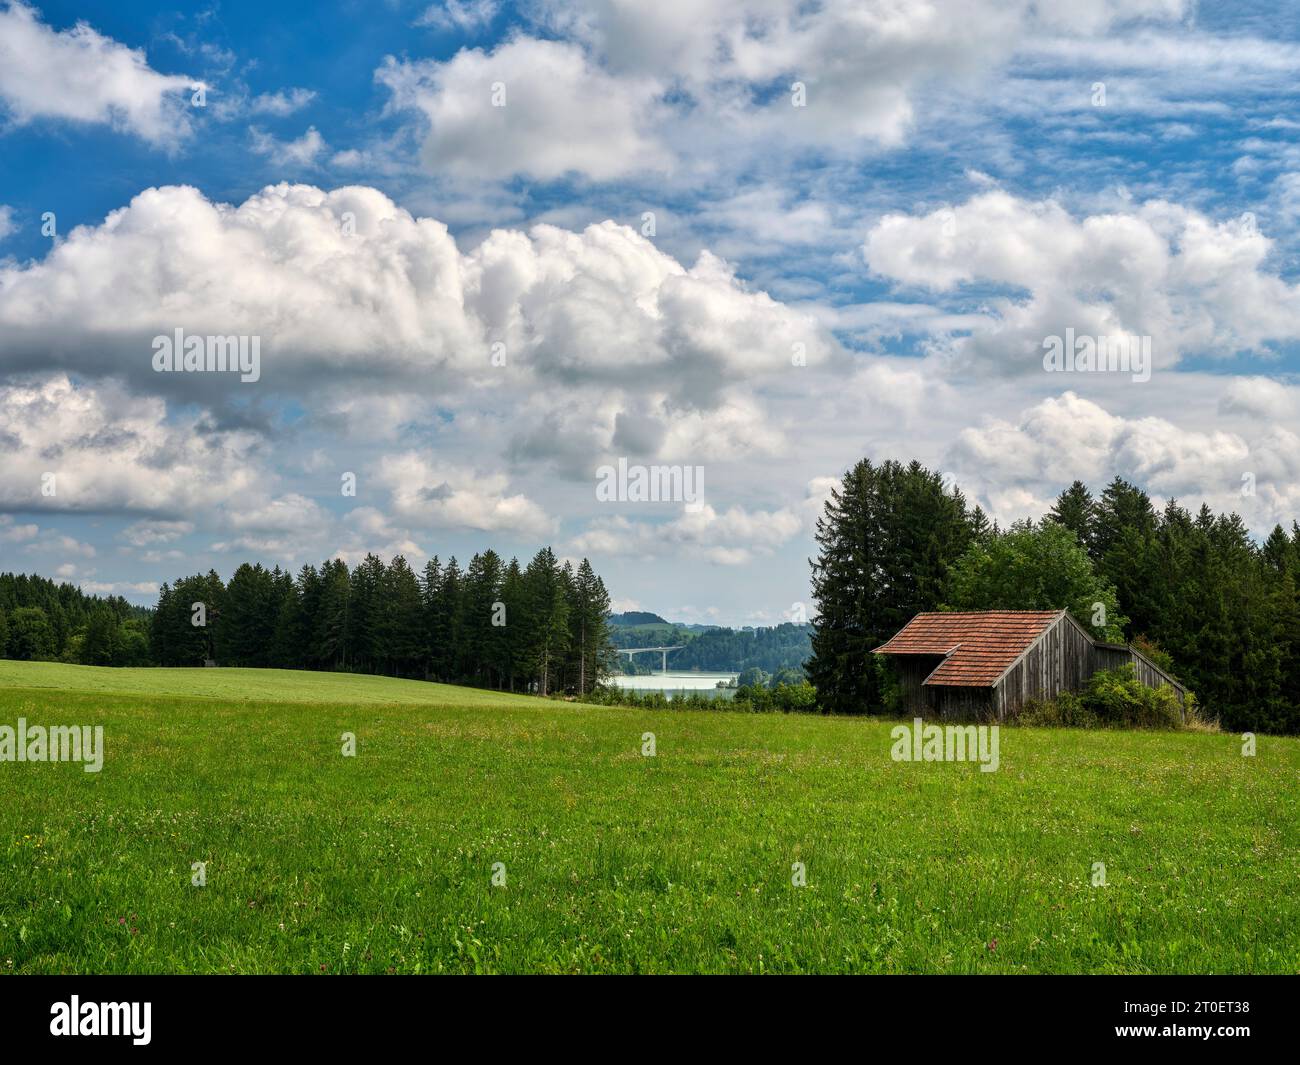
[(615, 862)]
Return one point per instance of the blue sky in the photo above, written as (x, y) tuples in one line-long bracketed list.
[(648, 222)]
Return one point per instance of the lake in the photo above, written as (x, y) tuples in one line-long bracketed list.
[(671, 683)]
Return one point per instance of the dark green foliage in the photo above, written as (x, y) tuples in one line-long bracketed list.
[(543, 629), (183, 635), (635, 617), (57, 620), (546, 598), (247, 632), (887, 538), (31, 636), (1036, 567), (1076, 511), (101, 645), (590, 657)]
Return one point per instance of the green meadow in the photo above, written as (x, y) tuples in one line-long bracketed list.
[(613, 861)]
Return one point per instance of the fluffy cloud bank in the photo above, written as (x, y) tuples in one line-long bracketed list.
[(605, 89), (500, 113), (1020, 465), (80, 75), (1195, 286), (730, 537), (102, 450), (345, 285), (427, 493)]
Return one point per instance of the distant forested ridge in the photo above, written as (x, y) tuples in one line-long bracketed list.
[(636, 617), (714, 649), (42, 620), (783, 647), (1194, 592)]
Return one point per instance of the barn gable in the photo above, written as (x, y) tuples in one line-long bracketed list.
[(986, 664)]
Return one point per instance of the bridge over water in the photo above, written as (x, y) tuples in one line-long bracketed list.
[(630, 651)]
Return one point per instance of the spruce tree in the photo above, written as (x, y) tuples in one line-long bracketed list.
[(1075, 509)]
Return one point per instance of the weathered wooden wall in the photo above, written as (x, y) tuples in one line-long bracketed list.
[(962, 704), (1061, 660), (911, 671), (1109, 656), (936, 700)]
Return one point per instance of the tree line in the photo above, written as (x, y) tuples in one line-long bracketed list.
[(44, 621), (1195, 592), (539, 628)]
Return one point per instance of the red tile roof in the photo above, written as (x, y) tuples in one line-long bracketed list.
[(978, 646)]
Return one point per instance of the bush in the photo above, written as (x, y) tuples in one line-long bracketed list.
[(1119, 698), (1112, 698), (785, 698), (1065, 711)]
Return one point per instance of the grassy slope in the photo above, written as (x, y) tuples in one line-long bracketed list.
[(248, 685), (615, 861)]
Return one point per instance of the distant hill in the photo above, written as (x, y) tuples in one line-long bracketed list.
[(711, 648), (636, 617)]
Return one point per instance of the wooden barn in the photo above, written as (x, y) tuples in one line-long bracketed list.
[(984, 665)]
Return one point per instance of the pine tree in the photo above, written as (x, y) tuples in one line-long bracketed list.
[(483, 639), (247, 629), (588, 628), (515, 643), (332, 624), (842, 668), (430, 594), (367, 633), (1124, 544), (887, 538), (547, 605), (102, 644), (1075, 509), (309, 586), (402, 620), (1284, 604), (288, 649), (451, 619), (1278, 551)]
